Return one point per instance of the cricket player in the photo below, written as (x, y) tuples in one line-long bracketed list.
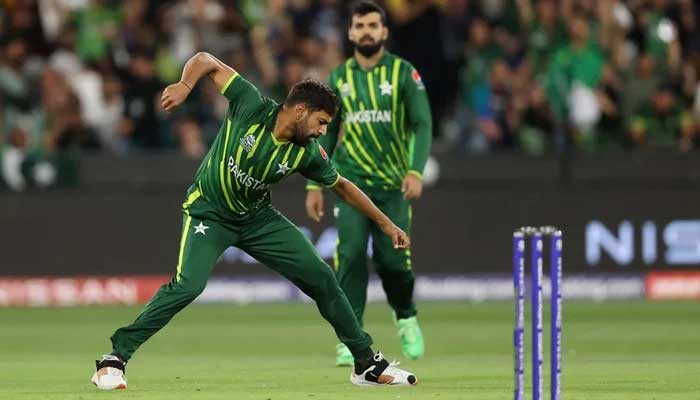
[(385, 112), (260, 143)]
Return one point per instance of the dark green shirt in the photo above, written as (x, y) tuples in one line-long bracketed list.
[(246, 158), (388, 126)]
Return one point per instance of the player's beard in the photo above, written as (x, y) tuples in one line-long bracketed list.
[(302, 135), (368, 50)]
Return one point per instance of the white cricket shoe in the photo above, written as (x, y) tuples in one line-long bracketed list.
[(110, 373), (383, 373)]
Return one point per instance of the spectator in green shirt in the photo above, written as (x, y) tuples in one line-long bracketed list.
[(661, 122)]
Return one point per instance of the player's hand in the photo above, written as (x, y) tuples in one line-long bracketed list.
[(174, 95), (314, 204), (399, 238), (412, 187)]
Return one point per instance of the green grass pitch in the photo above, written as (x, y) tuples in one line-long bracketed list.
[(612, 351)]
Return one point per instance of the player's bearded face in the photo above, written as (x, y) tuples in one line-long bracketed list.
[(310, 126), (368, 46), (302, 132), (367, 33)]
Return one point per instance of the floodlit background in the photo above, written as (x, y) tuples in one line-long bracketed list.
[(583, 114)]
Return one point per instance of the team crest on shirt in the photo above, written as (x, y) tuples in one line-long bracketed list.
[(248, 142), (344, 90), (417, 79), (323, 152)]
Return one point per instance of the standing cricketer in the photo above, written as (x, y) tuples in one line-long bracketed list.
[(385, 112), (260, 143)]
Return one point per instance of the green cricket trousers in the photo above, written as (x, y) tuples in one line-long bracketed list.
[(267, 236), (393, 266)]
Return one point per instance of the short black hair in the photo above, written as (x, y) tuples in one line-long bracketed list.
[(364, 7), (316, 95)]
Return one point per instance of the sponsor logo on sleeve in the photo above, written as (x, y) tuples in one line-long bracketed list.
[(417, 79)]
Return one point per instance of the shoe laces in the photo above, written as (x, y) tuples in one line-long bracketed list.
[(378, 357)]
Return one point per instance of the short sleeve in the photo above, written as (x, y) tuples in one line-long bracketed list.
[(243, 95), (318, 167)]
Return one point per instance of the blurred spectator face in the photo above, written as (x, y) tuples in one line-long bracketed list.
[(112, 88), (21, 18), (660, 4), (664, 101), (275, 7), (191, 139), (54, 92), (134, 11), (546, 12), (578, 30), (66, 39), (15, 52), (239, 60), (480, 33), (293, 72), (367, 33), (312, 50), (17, 138), (141, 66), (300, 4), (538, 97), (646, 65), (500, 74)]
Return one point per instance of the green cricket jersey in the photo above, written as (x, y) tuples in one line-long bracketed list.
[(246, 158), (386, 116)]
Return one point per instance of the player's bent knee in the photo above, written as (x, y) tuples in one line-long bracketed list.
[(324, 280), (189, 289)]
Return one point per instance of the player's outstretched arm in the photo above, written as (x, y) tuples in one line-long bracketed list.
[(198, 66), (352, 195)]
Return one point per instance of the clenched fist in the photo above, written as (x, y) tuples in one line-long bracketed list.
[(174, 95), (399, 238)]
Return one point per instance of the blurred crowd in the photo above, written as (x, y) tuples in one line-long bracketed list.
[(534, 76)]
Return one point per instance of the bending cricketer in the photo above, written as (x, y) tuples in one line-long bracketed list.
[(260, 143), (388, 129)]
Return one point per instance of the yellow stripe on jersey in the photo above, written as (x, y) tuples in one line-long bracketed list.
[(269, 163), (222, 177), (395, 94), (191, 198), (298, 159), (228, 82), (369, 168), (183, 242), (372, 96), (285, 158), (336, 258), (185, 230), (396, 154), (354, 155), (240, 149), (371, 130), (349, 78), (258, 139)]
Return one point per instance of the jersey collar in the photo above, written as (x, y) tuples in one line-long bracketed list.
[(270, 126)]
